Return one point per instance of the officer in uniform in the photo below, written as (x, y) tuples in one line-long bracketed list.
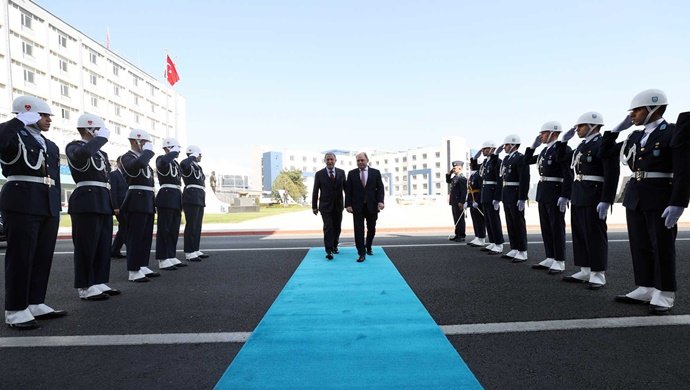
[(553, 194), (489, 171), (655, 197), (474, 193), (90, 209), (593, 192), (515, 185), (457, 199), (138, 207), (193, 203), (30, 202), (168, 206), (118, 190)]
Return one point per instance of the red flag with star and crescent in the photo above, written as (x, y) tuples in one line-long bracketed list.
[(171, 72)]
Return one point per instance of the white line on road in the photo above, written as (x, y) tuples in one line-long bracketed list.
[(241, 337)]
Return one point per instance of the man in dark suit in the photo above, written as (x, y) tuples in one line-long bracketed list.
[(364, 194), (330, 183), (457, 198), (118, 190)]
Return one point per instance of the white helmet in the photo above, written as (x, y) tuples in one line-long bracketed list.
[(87, 120), (590, 118), (193, 149), (649, 98), (512, 139), (31, 104), (139, 135), (170, 142), (552, 126), (489, 144)]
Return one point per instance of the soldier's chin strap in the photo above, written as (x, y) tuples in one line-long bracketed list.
[(650, 111)]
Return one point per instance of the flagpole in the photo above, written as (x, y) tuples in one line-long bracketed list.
[(167, 98)]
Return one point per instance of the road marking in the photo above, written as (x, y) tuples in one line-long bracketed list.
[(241, 337)]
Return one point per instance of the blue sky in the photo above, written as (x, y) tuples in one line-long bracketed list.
[(393, 75)]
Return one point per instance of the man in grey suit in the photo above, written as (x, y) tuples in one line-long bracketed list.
[(330, 183), (364, 194)]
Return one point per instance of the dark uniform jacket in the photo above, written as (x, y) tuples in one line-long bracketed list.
[(169, 173), (327, 194), (552, 164), (17, 148), (489, 170), (514, 170), (474, 188), (88, 163), (118, 188), (137, 172), (192, 174), (458, 189)]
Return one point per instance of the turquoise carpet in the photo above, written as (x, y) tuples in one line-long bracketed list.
[(345, 325)]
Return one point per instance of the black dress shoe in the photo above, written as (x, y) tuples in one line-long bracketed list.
[(370, 252), (659, 310), (99, 297), (485, 249), (117, 256), (627, 299), (459, 239), (28, 325), (329, 256), (141, 280), (594, 286), (112, 292), (152, 274), (204, 256), (169, 268), (360, 258), (505, 256), (195, 259), (539, 266), (570, 279), (336, 251), (180, 265), (554, 271), (51, 315)]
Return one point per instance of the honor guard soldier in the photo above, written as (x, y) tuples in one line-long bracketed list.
[(515, 185), (457, 199), (118, 191), (474, 192), (168, 206), (553, 194), (489, 170), (90, 209), (655, 197), (593, 192), (30, 202), (193, 203), (138, 207)]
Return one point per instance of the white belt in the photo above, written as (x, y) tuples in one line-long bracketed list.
[(145, 188), (639, 175), (488, 183), (172, 186), (551, 178), (32, 179), (580, 177), (93, 184), (196, 186), (511, 183)]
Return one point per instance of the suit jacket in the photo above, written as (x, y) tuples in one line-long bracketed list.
[(327, 193), (552, 162), (358, 196), (118, 188), (87, 162)]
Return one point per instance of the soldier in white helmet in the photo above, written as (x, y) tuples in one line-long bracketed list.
[(193, 203), (473, 203), (30, 202), (655, 197), (514, 188), (553, 194), (90, 209), (168, 206), (139, 207), (489, 170)]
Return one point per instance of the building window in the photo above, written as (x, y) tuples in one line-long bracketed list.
[(29, 76), (136, 118), (424, 156), (438, 154), (426, 186), (26, 21), (292, 158), (438, 185), (63, 65), (117, 110), (414, 157), (116, 70), (27, 49), (62, 40), (93, 78), (135, 81), (438, 165), (65, 113), (116, 90), (153, 90), (64, 90), (438, 175), (93, 57), (404, 159), (153, 107), (424, 166), (94, 101)]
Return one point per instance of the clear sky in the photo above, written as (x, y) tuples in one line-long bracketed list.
[(393, 74)]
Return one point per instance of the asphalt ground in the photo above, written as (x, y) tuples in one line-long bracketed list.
[(467, 292)]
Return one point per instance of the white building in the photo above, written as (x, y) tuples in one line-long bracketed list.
[(43, 56)]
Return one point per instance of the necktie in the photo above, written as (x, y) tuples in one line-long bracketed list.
[(362, 178), (331, 174)]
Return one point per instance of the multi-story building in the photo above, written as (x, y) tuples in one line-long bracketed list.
[(43, 56)]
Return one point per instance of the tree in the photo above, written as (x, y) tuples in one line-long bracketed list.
[(290, 181)]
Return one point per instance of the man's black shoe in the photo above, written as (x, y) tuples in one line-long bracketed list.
[(370, 252), (360, 258), (329, 256), (117, 255)]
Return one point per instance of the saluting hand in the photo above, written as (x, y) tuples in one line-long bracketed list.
[(29, 117), (569, 134)]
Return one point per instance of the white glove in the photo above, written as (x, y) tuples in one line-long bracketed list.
[(479, 153), (562, 203), (626, 124), (603, 209), (465, 205), (537, 142), (174, 148), (147, 146), (521, 205), (102, 132), (497, 205), (29, 117), (672, 214), (498, 150), (475, 205), (569, 134)]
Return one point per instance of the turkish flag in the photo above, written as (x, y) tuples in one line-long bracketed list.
[(171, 72)]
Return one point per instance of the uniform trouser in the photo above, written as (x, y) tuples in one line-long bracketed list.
[(193, 216), (358, 222), (478, 221), (459, 221), (517, 228), (28, 258), (121, 235), (552, 222), (493, 223), (590, 240), (139, 237), (91, 234), (167, 232), (653, 249), (332, 221)]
